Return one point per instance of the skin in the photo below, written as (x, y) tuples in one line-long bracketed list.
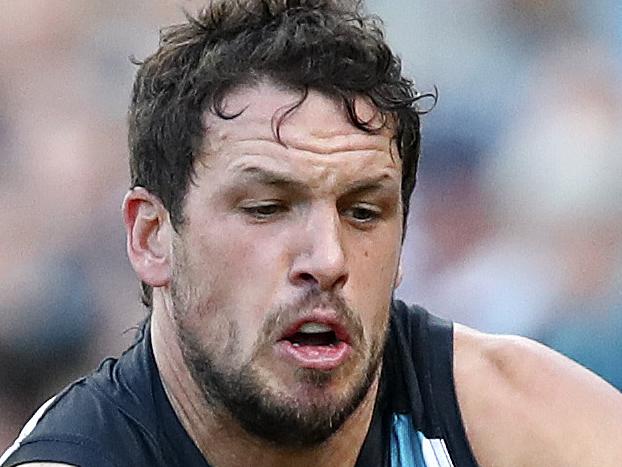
[(334, 226), (522, 404)]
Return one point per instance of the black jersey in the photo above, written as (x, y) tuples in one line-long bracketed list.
[(120, 415)]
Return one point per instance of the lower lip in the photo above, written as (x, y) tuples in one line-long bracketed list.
[(316, 357)]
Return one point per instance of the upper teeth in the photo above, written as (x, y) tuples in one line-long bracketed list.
[(314, 328)]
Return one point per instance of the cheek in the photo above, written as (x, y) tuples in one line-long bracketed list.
[(237, 274), (227, 255), (375, 261), (372, 275)]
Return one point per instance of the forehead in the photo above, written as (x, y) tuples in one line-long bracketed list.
[(260, 108), (317, 140)]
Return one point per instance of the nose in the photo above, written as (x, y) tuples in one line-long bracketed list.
[(320, 259)]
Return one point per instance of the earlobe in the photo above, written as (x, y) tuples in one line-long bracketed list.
[(148, 230)]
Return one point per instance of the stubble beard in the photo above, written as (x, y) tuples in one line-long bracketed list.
[(240, 392)]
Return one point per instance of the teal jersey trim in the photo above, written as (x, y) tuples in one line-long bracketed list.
[(410, 448)]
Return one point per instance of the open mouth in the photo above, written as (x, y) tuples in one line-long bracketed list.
[(315, 345), (315, 334)]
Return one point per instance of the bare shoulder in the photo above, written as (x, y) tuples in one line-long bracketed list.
[(525, 404)]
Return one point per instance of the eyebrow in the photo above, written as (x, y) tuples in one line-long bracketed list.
[(271, 178), (371, 184), (277, 179)]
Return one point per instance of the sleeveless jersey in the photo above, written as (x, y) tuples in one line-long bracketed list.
[(120, 415)]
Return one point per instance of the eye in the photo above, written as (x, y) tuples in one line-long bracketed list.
[(363, 213), (264, 210)]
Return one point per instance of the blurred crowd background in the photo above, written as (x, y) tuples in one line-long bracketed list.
[(517, 218)]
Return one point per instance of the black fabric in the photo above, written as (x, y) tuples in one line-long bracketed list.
[(417, 379), (120, 415), (441, 400), (375, 449)]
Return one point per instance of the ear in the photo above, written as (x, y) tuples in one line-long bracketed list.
[(149, 236)]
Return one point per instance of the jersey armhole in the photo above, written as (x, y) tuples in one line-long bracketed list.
[(445, 399)]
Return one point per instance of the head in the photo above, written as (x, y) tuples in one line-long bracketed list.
[(274, 147)]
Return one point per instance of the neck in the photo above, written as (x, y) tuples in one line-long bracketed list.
[(220, 438)]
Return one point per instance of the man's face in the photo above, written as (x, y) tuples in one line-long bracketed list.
[(286, 264)]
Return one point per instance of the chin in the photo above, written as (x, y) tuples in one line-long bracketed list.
[(304, 409)]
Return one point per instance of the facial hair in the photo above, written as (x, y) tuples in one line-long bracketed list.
[(239, 390)]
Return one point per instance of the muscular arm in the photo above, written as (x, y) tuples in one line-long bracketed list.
[(524, 405)]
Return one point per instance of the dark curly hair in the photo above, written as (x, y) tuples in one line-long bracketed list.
[(327, 45)]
